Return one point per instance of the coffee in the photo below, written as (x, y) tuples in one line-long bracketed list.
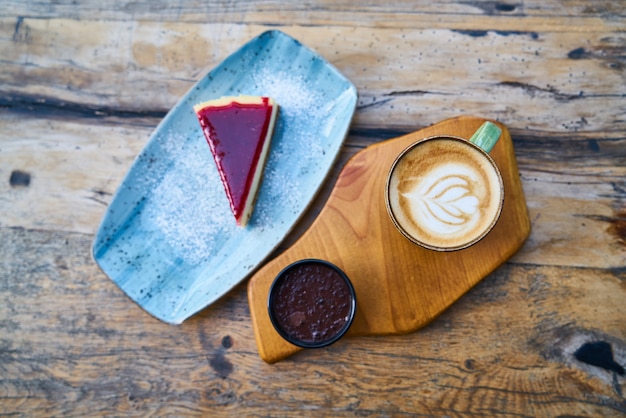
[(444, 193)]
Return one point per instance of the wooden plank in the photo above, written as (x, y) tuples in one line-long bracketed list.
[(73, 169), (406, 80), (72, 344), (318, 12)]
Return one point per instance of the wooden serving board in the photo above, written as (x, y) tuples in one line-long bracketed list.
[(400, 286)]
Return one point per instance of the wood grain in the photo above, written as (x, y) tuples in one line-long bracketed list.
[(83, 84), (576, 74), (73, 344)]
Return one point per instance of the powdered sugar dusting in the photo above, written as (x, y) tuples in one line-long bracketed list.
[(285, 185), (289, 90), (188, 205), (170, 240)]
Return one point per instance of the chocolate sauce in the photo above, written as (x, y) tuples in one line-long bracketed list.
[(312, 303)]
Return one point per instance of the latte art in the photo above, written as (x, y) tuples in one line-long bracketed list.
[(444, 193), (446, 204)]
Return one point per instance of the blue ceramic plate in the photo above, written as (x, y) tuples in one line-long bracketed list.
[(168, 238)]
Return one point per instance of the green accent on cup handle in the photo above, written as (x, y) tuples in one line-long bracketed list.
[(486, 136)]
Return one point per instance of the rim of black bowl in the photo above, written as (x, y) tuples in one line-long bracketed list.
[(311, 344)]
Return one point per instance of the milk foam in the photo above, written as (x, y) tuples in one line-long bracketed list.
[(445, 202), (444, 193)]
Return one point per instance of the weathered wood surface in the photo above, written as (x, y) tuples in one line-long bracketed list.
[(82, 86)]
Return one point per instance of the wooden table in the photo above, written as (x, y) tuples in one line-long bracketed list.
[(84, 84)]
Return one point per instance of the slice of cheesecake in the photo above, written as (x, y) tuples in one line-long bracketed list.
[(239, 130)]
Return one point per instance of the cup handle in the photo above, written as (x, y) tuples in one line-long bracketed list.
[(486, 136)]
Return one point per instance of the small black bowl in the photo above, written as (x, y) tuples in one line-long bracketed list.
[(311, 303)]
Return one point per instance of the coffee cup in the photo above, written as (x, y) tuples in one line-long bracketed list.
[(446, 193)]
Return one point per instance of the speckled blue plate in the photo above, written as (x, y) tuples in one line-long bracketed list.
[(168, 238)]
